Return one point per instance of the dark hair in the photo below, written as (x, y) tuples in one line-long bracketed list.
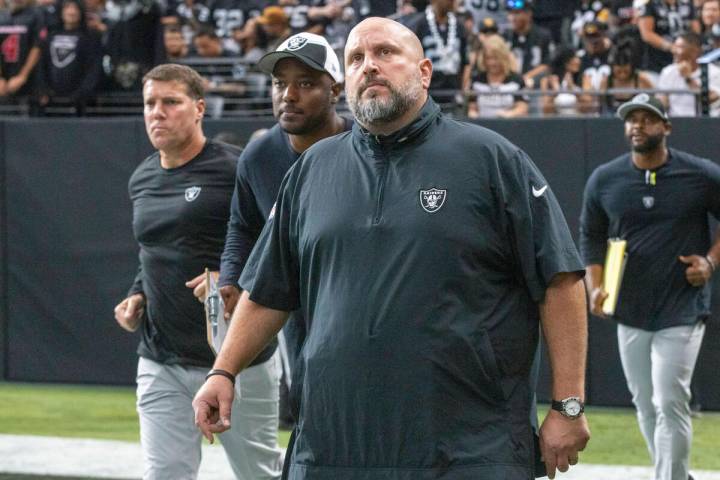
[(560, 59), (172, 28), (622, 54), (172, 72), (691, 38), (81, 6), (206, 31)]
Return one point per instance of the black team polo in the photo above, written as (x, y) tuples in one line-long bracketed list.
[(418, 261)]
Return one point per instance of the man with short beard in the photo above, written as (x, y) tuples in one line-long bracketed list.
[(306, 85), (658, 200), (425, 254)]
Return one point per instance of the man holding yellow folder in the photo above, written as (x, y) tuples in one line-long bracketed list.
[(656, 199)]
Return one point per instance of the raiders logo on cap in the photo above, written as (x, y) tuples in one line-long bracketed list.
[(296, 43)]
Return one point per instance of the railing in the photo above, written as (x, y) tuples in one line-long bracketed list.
[(239, 90)]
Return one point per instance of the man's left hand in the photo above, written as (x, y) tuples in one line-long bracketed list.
[(561, 441), (699, 271)]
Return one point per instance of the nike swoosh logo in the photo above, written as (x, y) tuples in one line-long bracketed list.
[(539, 192)]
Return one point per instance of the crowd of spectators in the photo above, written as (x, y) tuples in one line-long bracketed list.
[(491, 58)]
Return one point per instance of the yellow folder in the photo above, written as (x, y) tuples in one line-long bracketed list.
[(613, 273)]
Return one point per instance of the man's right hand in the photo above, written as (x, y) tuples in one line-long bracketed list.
[(128, 313), (212, 405), (597, 297)]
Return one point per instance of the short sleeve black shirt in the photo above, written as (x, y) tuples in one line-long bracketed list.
[(20, 31), (532, 49), (662, 214), (180, 219), (670, 21), (447, 66)]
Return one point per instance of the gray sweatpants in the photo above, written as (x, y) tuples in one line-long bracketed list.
[(658, 368), (171, 442)]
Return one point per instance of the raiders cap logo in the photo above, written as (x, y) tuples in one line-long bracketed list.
[(296, 43)]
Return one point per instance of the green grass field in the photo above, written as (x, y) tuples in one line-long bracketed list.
[(109, 413)]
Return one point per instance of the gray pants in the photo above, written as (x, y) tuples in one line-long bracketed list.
[(658, 367), (171, 442)]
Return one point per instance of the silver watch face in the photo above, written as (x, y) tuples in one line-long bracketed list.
[(572, 407)]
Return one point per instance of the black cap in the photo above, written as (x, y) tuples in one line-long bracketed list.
[(593, 28), (488, 25), (643, 101), (312, 50)]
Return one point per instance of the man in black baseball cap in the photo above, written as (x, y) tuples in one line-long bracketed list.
[(658, 199), (643, 101)]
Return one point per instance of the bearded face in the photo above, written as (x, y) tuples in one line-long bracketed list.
[(377, 101)]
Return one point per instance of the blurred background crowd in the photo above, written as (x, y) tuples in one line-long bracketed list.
[(492, 58)]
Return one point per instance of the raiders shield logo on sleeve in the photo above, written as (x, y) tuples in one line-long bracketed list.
[(432, 200), (192, 193), (648, 202)]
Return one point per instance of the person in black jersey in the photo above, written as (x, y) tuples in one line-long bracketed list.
[(181, 200), (659, 22), (658, 199), (71, 65), (530, 43), (21, 35), (444, 39), (306, 83), (425, 253)]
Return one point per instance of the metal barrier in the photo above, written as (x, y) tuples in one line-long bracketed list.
[(236, 89)]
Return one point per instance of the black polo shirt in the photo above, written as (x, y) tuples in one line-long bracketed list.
[(418, 261), (662, 214)]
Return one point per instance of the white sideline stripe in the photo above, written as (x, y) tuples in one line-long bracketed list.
[(123, 460)]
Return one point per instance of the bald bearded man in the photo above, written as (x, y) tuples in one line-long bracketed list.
[(425, 254)]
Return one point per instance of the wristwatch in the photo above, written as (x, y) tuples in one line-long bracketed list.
[(571, 407)]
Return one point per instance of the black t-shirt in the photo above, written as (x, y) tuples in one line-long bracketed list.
[(71, 63), (670, 21), (448, 59), (623, 11), (594, 65), (180, 219), (20, 31), (227, 15), (662, 214), (532, 49), (418, 261)]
